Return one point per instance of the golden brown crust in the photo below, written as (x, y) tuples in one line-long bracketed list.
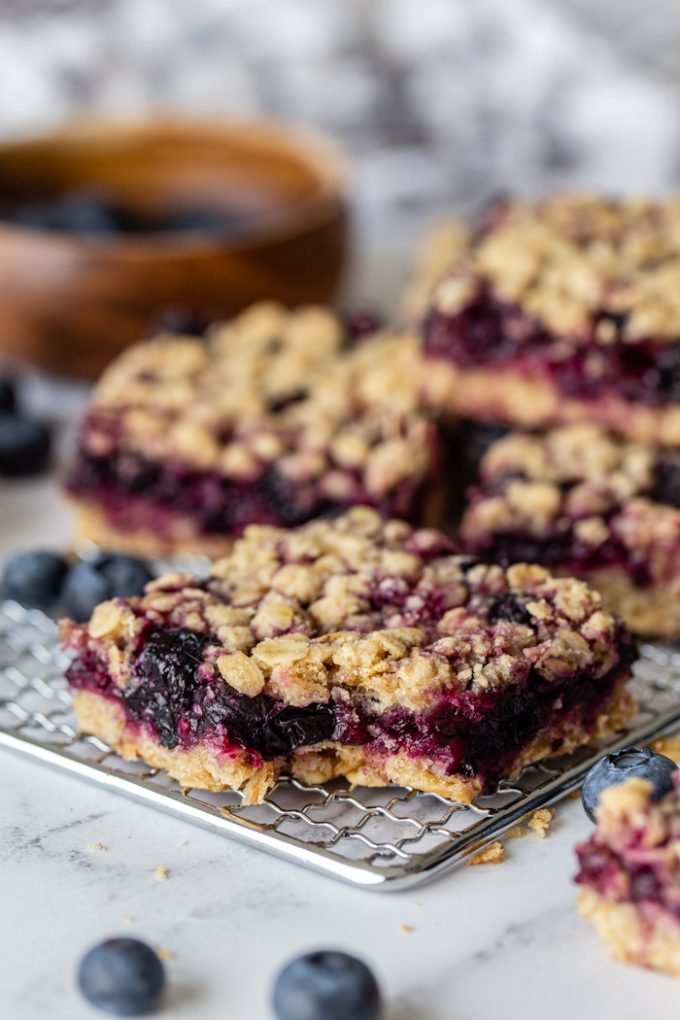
[(201, 767), (631, 936), (179, 539), (503, 394)]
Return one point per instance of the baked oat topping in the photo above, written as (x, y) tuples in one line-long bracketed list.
[(364, 604), (588, 268), (270, 387), (586, 490)]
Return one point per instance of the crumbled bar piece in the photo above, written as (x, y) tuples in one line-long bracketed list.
[(629, 874), (588, 504), (540, 821), (494, 853), (274, 418), (564, 309), (358, 647)]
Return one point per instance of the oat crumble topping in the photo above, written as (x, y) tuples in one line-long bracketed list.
[(271, 387), (583, 479), (363, 603), (567, 259)]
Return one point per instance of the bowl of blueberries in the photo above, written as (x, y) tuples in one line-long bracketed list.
[(106, 228)]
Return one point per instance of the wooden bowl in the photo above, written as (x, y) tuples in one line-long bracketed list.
[(69, 302)]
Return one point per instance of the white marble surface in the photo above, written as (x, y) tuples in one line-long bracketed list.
[(499, 941)]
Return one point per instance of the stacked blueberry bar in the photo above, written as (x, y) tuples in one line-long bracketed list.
[(588, 504), (274, 418), (559, 310), (630, 874), (360, 647)]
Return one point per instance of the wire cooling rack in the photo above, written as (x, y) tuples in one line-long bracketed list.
[(379, 839)]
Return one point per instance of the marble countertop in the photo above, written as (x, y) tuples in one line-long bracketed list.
[(487, 942)]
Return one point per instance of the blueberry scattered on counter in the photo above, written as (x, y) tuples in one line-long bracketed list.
[(34, 578), (44, 580), (25, 446), (125, 575), (326, 985), (90, 582), (122, 976), (8, 395), (621, 765)]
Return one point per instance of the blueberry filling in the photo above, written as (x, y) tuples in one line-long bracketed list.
[(489, 331), (134, 490), (174, 692), (165, 693), (614, 877), (564, 550)]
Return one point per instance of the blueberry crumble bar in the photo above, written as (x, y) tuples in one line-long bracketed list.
[(274, 418), (586, 503), (560, 310), (629, 873), (359, 647)]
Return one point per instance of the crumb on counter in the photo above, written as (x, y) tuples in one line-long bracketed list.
[(406, 928), (97, 847), (540, 821), (494, 853), (127, 919), (165, 954), (162, 873)]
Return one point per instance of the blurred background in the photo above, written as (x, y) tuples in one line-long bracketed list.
[(441, 103)]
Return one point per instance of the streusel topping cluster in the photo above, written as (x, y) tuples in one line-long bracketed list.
[(587, 267), (580, 477), (366, 606), (270, 387)]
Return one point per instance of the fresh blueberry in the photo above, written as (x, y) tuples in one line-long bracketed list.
[(121, 976), (326, 985), (8, 395), (24, 446), (107, 576), (621, 765), (34, 578), (126, 575), (84, 588)]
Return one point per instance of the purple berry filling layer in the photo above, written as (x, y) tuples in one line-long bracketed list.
[(471, 734), (133, 490), (604, 871), (492, 332)]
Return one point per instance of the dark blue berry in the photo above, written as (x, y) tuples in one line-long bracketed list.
[(621, 765), (126, 575), (121, 976), (93, 581), (24, 446), (34, 578), (8, 395), (326, 985), (84, 588)]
